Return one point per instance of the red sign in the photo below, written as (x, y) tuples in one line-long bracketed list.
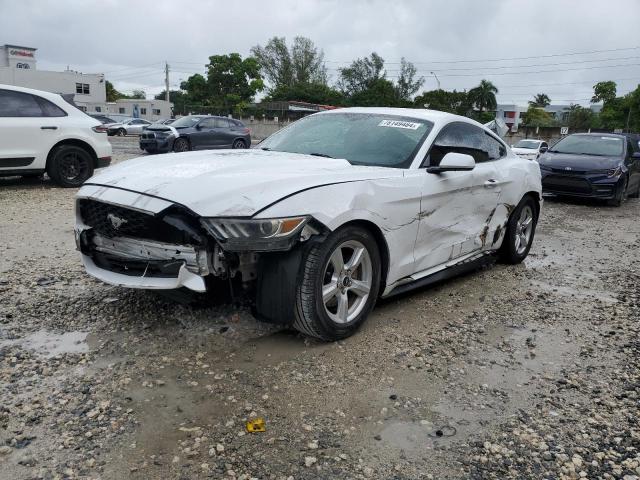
[(21, 53)]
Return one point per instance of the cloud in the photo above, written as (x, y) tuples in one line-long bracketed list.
[(130, 41)]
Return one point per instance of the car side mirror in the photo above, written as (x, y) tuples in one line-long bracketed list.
[(198, 127), (454, 162), (543, 149)]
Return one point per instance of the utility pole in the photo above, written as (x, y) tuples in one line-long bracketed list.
[(437, 79), (628, 118), (166, 81)]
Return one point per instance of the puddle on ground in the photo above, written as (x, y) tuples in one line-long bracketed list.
[(49, 344)]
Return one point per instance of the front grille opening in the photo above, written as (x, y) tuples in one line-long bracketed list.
[(116, 221), (134, 268)]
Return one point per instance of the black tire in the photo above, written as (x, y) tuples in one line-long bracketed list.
[(621, 195), (509, 252), (70, 166), (636, 194), (181, 145), (239, 143), (121, 132), (311, 317)]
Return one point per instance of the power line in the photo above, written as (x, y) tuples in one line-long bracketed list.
[(511, 58)]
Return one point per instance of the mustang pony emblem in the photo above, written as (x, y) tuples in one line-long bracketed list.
[(116, 222)]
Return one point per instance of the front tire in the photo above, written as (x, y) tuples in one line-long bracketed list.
[(181, 145), (70, 166), (521, 229), (340, 285), (621, 196)]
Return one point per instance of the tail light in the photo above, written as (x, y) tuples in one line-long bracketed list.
[(99, 129), (246, 131)]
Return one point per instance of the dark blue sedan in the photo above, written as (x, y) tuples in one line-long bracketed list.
[(196, 132), (597, 165)]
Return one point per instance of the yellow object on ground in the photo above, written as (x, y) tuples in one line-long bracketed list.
[(256, 425)]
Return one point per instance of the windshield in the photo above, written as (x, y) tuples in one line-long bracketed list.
[(186, 122), (360, 138), (531, 144), (590, 145)]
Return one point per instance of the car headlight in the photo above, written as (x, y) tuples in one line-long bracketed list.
[(269, 234), (614, 172)]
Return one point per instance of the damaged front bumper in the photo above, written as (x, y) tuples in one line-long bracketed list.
[(138, 263)]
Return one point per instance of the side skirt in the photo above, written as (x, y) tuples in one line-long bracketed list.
[(463, 267)]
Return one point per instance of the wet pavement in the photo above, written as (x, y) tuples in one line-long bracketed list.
[(523, 371)]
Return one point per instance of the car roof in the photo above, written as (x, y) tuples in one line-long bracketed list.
[(55, 97), (434, 116)]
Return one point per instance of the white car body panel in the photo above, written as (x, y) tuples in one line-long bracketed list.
[(429, 221), (25, 138)]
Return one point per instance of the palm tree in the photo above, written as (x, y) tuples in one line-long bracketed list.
[(541, 100), (484, 96)]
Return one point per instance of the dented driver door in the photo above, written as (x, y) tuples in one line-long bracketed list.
[(456, 207)]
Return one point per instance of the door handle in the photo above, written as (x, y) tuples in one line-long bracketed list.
[(491, 183), (49, 128)]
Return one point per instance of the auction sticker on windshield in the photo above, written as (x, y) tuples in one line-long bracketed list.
[(399, 124)]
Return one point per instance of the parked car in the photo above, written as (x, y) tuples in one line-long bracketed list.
[(530, 149), (164, 121), (133, 126), (196, 132), (598, 165), (331, 213), (41, 132)]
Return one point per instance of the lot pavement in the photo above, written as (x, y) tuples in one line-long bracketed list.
[(527, 371)]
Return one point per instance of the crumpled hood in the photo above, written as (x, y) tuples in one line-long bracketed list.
[(232, 182), (578, 162)]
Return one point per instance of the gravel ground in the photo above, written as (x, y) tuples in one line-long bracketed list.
[(527, 371)]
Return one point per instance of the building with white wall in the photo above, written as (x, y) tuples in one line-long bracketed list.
[(18, 67)]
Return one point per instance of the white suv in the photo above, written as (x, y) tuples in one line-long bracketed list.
[(40, 132)]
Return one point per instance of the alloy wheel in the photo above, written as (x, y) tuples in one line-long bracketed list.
[(73, 166), (347, 281), (524, 229)]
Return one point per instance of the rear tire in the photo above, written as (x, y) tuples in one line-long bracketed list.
[(239, 144), (121, 132), (70, 166), (521, 229), (340, 285), (181, 145)]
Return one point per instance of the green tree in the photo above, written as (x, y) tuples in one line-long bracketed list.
[(541, 100), (138, 94), (445, 101), (407, 84), (307, 92), (196, 89), (380, 93), (175, 96), (283, 66), (537, 117), (361, 75), (483, 97), (580, 118), (232, 80), (604, 92), (112, 93)]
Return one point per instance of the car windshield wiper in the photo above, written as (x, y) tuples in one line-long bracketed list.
[(315, 154), (266, 149)]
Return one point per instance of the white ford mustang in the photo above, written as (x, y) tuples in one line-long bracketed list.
[(318, 222)]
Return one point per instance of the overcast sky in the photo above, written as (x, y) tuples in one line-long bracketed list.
[(459, 40)]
